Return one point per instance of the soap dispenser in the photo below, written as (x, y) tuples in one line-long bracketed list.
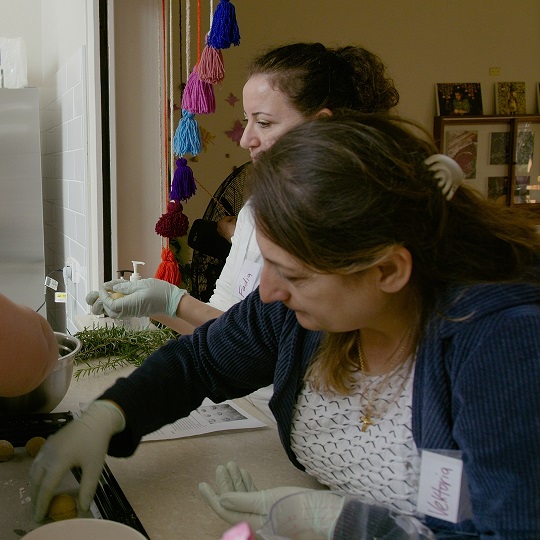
[(138, 323)]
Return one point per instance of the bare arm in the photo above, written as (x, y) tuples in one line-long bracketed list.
[(190, 313), (28, 349)]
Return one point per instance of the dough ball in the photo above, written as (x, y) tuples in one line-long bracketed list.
[(33, 446), (116, 295), (6, 450), (63, 506)]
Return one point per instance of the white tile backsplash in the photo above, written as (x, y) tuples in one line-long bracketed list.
[(64, 165)]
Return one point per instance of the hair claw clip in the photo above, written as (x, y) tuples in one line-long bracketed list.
[(447, 171)]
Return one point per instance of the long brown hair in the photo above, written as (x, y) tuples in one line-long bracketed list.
[(338, 192)]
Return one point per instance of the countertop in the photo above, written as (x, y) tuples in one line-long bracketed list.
[(161, 479)]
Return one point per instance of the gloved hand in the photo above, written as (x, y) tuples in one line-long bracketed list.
[(236, 498), (92, 299), (83, 442), (143, 298)]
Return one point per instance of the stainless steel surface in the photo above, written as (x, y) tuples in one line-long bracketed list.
[(22, 253), (53, 389)]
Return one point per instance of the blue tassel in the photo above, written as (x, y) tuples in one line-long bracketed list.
[(187, 138), (183, 185), (224, 31)]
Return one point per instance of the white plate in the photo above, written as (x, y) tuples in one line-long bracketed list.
[(84, 529)]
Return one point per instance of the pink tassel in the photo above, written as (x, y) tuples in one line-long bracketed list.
[(210, 68), (198, 96)]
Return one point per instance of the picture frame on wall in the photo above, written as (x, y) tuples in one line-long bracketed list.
[(498, 155), (510, 98), (459, 99)]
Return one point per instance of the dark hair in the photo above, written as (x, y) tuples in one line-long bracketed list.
[(315, 77), (328, 179), (340, 192)]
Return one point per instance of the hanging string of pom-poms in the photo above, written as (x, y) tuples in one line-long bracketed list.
[(168, 269), (198, 96)]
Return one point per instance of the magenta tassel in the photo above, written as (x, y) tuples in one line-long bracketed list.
[(198, 96), (183, 184), (224, 31), (210, 68)]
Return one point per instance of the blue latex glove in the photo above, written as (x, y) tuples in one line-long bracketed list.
[(236, 499), (143, 298), (83, 442)]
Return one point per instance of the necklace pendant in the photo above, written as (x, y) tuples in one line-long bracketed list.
[(366, 422)]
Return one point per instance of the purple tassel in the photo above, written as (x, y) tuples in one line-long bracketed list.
[(198, 96), (224, 31), (187, 138), (183, 184)]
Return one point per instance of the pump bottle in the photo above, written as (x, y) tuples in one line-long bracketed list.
[(138, 323)]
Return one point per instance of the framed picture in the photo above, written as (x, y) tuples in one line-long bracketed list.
[(499, 155), (459, 99), (510, 98)]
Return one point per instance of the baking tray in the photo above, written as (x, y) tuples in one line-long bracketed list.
[(15, 504)]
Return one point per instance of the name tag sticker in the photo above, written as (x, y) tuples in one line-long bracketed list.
[(443, 490), (247, 279)]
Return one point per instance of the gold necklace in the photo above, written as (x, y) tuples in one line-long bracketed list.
[(367, 417)]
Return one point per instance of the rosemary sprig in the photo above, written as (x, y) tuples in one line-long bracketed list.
[(116, 346)]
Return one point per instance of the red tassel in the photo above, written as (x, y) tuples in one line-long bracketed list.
[(174, 223), (168, 269), (198, 96), (210, 68)]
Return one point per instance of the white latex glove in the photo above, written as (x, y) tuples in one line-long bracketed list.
[(236, 498), (143, 298), (93, 300), (83, 443)]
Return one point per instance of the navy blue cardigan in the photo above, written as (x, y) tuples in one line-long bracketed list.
[(476, 389)]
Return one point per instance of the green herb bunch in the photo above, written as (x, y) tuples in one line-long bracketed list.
[(116, 346)]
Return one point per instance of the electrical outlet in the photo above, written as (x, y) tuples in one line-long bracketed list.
[(73, 272), (494, 71)]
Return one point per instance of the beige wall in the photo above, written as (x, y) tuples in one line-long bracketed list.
[(421, 41)]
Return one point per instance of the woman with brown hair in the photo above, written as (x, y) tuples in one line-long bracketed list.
[(398, 312)]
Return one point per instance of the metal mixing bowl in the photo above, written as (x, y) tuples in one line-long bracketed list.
[(53, 389)]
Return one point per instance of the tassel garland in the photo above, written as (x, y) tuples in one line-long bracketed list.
[(224, 31), (198, 96), (168, 269), (187, 138)]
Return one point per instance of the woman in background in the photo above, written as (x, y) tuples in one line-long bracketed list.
[(285, 87)]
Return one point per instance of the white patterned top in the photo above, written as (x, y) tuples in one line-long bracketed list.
[(381, 463)]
